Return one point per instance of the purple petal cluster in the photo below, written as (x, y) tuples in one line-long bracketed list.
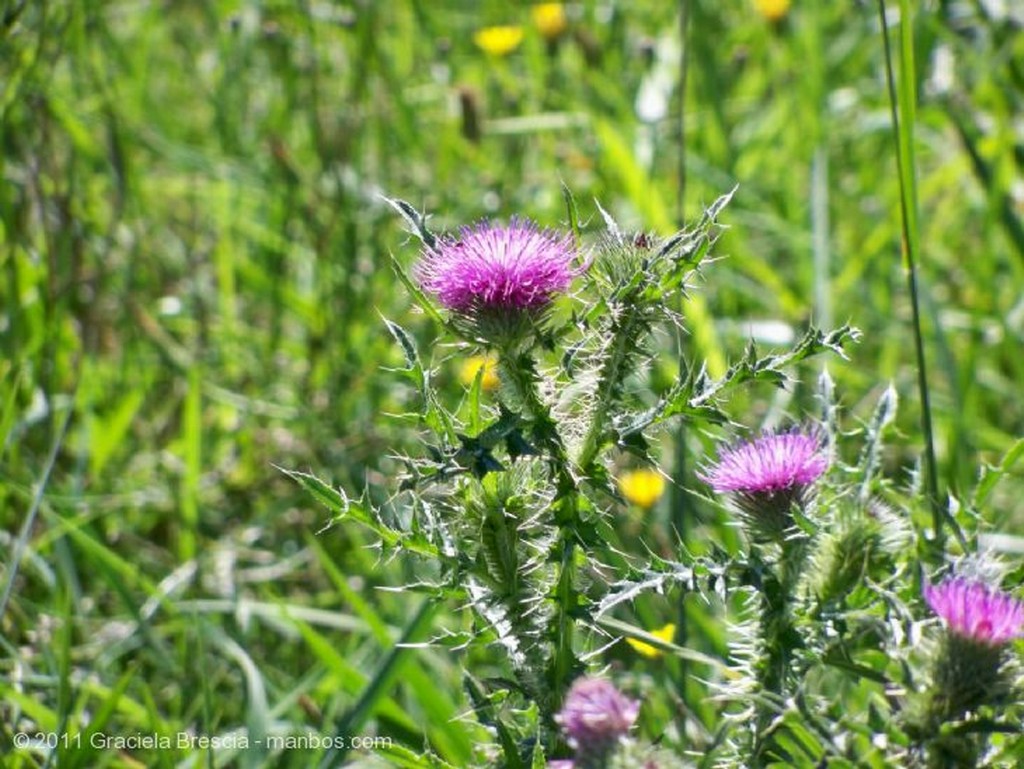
[(976, 611), (490, 266), (596, 715), (769, 464)]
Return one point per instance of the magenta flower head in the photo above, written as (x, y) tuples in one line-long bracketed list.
[(969, 669), (976, 611), (491, 267), (768, 476), (595, 717)]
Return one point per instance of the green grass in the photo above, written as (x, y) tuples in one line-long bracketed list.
[(195, 258)]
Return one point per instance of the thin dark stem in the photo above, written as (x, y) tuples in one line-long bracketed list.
[(908, 207), (677, 496), (684, 67)]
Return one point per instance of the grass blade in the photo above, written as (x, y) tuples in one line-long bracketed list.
[(902, 104)]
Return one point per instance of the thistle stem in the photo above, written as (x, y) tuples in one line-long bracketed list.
[(519, 371), (610, 377), (777, 629)]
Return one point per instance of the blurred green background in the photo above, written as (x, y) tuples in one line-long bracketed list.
[(195, 259)]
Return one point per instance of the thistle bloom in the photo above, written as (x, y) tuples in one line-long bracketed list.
[(968, 671), (642, 487), (768, 475), (977, 612), (596, 716), (493, 267)]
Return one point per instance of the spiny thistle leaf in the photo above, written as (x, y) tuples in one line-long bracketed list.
[(628, 590), (574, 217), (611, 226), (696, 397), (884, 414), (344, 509), (485, 709), (417, 294), (991, 475), (417, 222), (434, 415)]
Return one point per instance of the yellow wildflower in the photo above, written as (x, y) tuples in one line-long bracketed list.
[(642, 487), (467, 373), (549, 19), (499, 41), (666, 633), (772, 10)]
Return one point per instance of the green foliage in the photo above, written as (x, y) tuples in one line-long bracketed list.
[(195, 261)]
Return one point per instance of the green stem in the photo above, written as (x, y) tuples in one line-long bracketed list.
[(910, 234), (684, 60), (778, 631), (610, 377), (681, 509), (518, 370), (564, 661)]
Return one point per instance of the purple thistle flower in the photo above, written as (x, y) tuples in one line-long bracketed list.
[(596, 716), (769, 464), (977, 612), (768, 475), (969, 671), (518, 267)]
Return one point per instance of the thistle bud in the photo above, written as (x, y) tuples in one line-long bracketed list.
[(595, 718)]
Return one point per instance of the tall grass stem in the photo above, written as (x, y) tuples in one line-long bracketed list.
[(903, 102), (21, 543), (677, 496)]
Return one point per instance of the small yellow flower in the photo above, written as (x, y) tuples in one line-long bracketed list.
[(467, 372), (499, 41), (666, 633), (642, 487), (549, 19), (772, 10)]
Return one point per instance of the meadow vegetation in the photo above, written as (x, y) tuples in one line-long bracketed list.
[(212, 322)]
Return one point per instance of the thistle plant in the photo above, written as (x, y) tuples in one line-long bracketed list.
[(507, 515), (770, 482), (509, 499)]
